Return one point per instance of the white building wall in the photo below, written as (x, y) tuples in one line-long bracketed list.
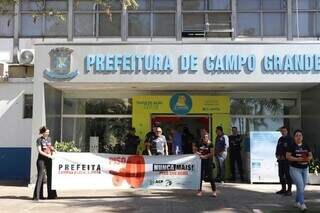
[(15, 132), (12, 122)]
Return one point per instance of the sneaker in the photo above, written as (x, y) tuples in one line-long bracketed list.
[(214, 194), (281, 192), (303, 207), (199, 194), (297, 204)]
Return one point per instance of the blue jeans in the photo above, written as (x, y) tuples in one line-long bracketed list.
[(300, 179), (221, 166)]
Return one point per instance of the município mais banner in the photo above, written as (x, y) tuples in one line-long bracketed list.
[(109, 171)]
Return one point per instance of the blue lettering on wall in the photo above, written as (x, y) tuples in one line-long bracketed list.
[(212, 64)]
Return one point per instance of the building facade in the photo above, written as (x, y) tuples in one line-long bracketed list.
[(252, 64)]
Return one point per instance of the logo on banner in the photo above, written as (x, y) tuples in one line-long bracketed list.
[(133, 172), (60, 61), (181, 103)]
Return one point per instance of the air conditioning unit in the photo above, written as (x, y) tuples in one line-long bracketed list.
[(3, 72), (26, 56)]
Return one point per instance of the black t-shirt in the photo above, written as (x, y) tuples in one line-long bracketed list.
[(46, 146), (299, 151), (235, 143), (131, 144), (204, 149), (283, 143)]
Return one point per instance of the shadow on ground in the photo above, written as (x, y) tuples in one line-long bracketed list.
[(231, 198)]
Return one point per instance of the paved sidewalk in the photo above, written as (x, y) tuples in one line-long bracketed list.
[(231, 198)]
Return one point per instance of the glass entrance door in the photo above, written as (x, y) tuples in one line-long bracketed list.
[(189, 126)]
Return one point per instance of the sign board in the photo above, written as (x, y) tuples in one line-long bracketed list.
[(263, 163)]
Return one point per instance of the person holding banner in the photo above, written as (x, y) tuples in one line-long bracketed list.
[(205, 151), (299, 156), (44, 163)]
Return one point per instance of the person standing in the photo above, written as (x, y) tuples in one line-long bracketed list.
[(205, 151), (187, 141), (235, 141), (177, 142), (299, 156), (158, 146), (220, 152), (132, 142), (44, 163), (283, 164), (149, 137)]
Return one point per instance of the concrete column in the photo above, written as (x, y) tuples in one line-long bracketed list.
[(39, 115), (289, 18)]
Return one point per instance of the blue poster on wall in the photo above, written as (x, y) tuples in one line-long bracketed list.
[(263, 163)]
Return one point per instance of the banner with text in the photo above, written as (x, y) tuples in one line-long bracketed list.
[(109, 171)]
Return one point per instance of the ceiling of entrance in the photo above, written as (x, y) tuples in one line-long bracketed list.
[(225, 87)]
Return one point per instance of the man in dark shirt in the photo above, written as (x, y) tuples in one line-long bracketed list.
[(132, 142), (235, 141), (283, 143)]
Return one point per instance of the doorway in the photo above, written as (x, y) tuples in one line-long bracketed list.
[(183, 124)]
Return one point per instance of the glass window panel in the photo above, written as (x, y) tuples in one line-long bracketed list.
[(139, 24), (264, 106), (57, 5), (55, 27), (304, 4), (219, 4), (31, 27), (273, 24), (220, 20), (245, 125), (110, 132), (6, 25), (193, 22), (274, 4), (143, 5), (84, 5), (164, 24), (164, 4), (27, 5), (28, 103), (249, 24), (97, 106), (248, 4), (83, 25), (110, 27), (305, 24), (113, 5), (318, 4), (193, 4)]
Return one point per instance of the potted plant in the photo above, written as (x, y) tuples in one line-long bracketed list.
[(66, 146), (314, 169)]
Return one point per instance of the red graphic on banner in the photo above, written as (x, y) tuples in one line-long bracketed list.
[(133, 172)]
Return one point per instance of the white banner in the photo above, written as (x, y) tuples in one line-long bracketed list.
[(264, 166), (108, 171)]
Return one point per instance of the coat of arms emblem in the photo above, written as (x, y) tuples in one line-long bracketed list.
[(60, 61)]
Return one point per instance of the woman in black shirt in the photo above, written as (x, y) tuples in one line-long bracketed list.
[(44, 163), (205, 151), (299, 155)]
